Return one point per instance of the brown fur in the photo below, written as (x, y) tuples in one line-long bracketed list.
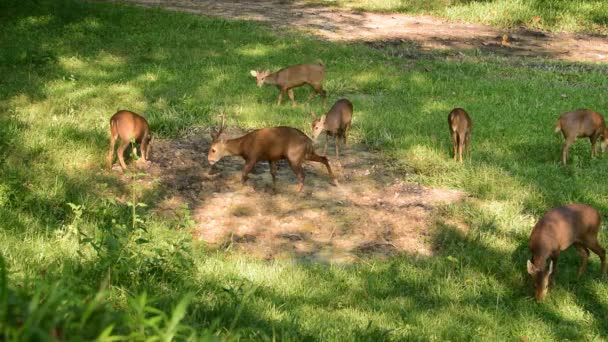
[(128, 126), (558, 229), (460, 129), (582, 123), (268, 144), (335, 123), (294, 76)]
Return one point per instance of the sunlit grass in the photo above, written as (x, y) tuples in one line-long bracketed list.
[(560, 15)]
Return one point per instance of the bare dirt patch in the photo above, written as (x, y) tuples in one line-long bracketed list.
[(372, 211), (427, 33)]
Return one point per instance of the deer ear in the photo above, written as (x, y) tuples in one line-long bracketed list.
[(253, 73), (314, 116), (213, 133), (222, 137), (531, 268)]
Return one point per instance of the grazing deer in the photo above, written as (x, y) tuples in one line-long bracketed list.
[(294, 76), (582, 123), (460, 128), (128, 126), (558, 229), (336, 122), (268, 144)]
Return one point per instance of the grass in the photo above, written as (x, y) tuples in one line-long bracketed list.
[(84, 257), (549, 15)]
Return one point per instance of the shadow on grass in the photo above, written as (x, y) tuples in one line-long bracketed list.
[(407, 290)]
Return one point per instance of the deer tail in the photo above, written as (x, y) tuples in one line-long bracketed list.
[(558, 126), (113, 132)]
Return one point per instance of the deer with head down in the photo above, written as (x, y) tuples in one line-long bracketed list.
[(128, 126), (268, 144), (460, 125), (335, 123), (294, 76), (560, 228), (582, 123)]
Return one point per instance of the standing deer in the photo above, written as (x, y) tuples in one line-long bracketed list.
[(460, 128), (294, 76), (336, 122), (128, 126), (573, 224), (582, 123), (268, 144)]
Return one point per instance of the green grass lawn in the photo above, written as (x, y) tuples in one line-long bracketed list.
[(550, 15), (85, 257)]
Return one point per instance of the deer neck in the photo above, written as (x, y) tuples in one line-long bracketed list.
[(234, 147), (271, 79)]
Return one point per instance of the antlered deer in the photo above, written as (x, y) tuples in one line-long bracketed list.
[(336, 122), (460, 128), (582, 123), (268, 144), (128, 126), (558, 229), (294, 76)]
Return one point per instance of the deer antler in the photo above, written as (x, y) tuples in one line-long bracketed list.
[(223, 125), (215, 133)]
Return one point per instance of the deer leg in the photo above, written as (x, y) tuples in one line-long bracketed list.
[(323, 94), (601, 252), (455, 144), (273, 172), (567, 145), (323, 160), (110, 157), (281, 96), (584, 252), (318, 88), (299, 172), (144, 148), (552, 275), (325, 148), (337, 140), (248, 167), (121, 153), (144, 151), (313, 93), (466, 142), (593, 139), (461, 143), (346, 129), (291, 96)]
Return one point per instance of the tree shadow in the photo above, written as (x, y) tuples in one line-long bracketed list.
[(330, 23)]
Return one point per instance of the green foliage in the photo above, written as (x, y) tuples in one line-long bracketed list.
[(550, 15), (85, 257)]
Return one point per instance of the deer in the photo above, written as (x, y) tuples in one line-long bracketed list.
[(335, 123), (460, 128), (128, 126), (582, 123), (573, 224), (294, 76), (268, 144)]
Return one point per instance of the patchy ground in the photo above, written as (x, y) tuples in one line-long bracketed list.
[(371, 212), (426, 33)]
